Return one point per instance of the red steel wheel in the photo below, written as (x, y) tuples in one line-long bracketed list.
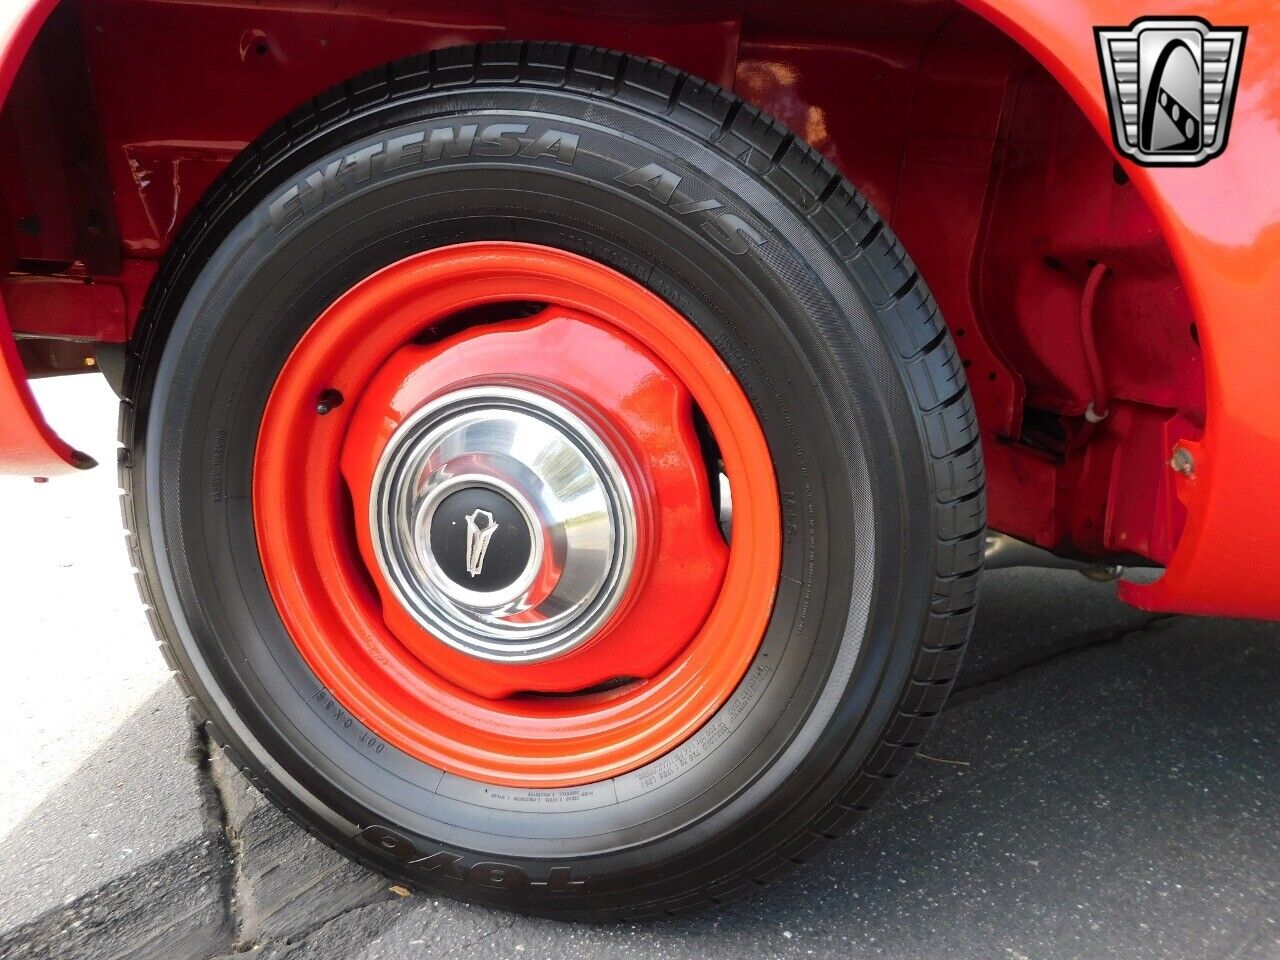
[(599, 359)]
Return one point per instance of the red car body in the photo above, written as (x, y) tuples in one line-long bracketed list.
[(1071, 277)]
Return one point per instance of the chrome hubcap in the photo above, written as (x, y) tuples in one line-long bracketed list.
[(503, 523)]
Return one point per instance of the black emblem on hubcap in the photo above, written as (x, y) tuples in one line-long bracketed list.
[(480, 539)]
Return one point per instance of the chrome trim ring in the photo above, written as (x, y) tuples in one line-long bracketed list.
[(565, 485)]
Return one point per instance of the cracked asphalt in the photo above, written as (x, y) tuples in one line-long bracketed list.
[(1105, 783)]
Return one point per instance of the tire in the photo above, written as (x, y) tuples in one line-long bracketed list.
[(810, 301)]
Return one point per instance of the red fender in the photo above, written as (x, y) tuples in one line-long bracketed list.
[(28, 446), (1220, 222)]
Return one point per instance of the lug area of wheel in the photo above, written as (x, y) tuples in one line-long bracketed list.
[(507, 561)]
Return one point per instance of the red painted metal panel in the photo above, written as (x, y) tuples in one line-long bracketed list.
[(65, 308), (28, 447), (27, 444)]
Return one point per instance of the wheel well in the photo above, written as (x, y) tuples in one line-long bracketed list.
[(1004, 194)]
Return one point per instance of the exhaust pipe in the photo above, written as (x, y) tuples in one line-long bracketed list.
[(1004, 551)]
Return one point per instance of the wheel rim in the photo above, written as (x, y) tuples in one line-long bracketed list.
[(484, 512)]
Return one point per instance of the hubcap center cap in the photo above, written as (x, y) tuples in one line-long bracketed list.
[(503, 523), (479, 539)]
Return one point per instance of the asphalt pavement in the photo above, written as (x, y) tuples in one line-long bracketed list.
[(1104, 783)]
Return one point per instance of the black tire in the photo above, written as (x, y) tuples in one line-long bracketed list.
[(808, 297)]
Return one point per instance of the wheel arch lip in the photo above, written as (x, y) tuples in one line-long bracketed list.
[(28, 445)]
